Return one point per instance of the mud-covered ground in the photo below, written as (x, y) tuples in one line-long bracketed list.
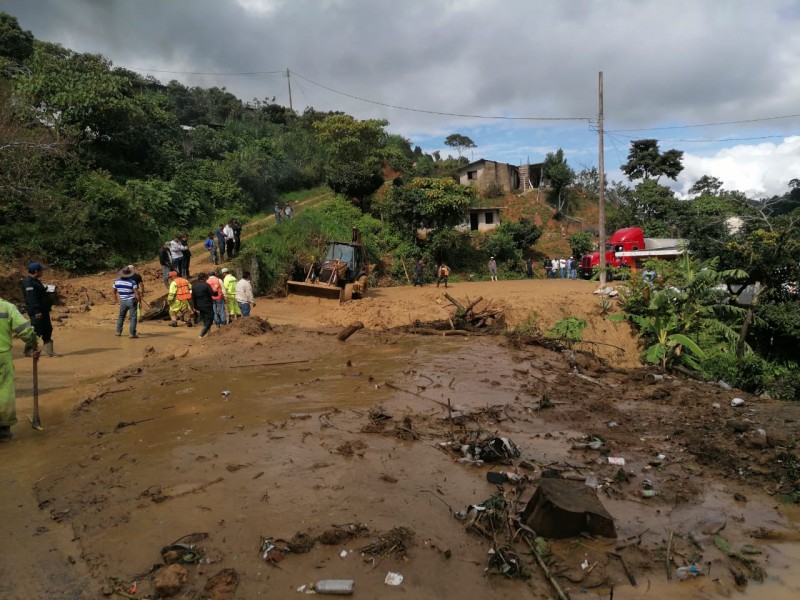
[(333, 451)]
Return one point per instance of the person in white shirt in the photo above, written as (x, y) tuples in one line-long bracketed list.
[(176, 249), (554, 268), (244, 294), (562, 267), (227, 231)]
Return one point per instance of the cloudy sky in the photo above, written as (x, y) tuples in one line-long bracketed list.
[(718, 79)]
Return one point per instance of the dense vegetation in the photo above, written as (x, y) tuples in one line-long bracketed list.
[(99, 165)]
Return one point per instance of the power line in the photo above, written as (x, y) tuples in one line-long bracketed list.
[(436, 112), (740, 121), (708, 141), (229, 74)]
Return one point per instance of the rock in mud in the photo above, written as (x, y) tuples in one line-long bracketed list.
[(562, 509), (169, 580), (222, 586)]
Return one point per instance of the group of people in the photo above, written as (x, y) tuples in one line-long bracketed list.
[(561, 268), (229, 241), (13, 323), (283, 213), (210, 299)]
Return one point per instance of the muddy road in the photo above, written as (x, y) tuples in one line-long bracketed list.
[(341, 456)]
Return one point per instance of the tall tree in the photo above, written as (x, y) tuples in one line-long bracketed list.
[(459, 142), (646, 161), (15, 43), (560, 176)]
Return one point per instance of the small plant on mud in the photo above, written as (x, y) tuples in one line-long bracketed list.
[(530, 326), (568, 330), (606, 305)]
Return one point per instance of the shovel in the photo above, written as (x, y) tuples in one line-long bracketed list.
[(36, 422)]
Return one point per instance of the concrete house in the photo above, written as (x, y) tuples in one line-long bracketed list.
[(481, 219), (487, 174)]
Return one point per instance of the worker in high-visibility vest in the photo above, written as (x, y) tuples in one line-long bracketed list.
[(179, 295), (229, 283), (11, 323)]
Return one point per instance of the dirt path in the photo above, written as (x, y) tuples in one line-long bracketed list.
[(90, 501)]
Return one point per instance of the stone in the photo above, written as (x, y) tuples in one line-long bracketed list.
[(170, 580), (560, 509)]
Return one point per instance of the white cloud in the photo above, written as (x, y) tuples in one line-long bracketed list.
[(758, 170)]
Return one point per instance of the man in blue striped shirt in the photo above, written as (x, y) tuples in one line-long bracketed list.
[(126, 292)]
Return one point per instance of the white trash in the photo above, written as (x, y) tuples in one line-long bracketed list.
[(393, 578), (737, 402)]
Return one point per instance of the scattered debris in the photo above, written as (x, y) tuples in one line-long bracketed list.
[(341, 533), (560, 509), (222, 586), (338, 587), (736, 402), (395, 542), (393, 578)]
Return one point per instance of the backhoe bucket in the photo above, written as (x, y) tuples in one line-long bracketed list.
[(319, 290)]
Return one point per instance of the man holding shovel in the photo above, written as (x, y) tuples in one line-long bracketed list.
[(12, 323)]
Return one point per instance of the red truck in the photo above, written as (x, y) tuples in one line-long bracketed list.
[(628, 247)]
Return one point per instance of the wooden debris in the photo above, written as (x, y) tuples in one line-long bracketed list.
[(349, 330)]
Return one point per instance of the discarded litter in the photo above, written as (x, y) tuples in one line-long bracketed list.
[(503, 477), (612, 424), (343, 554), (689, 572), (592, 482), (616, 460), (300, 416), (649, 493), (393, 578), (339, 587), (716, 405), (585, 565), (737, 402), (225, 393)]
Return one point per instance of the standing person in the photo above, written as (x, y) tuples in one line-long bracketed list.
[(237, 236), (562, 267), (11, 323), (203, 303), (570, 267), (554, 268), (178, 298), (288, 211), (244, 294), (165, 261), (229, 283), (277, 211), (442, 273), (221, 241), (37, 303), (492, 268), (218, 296), (419, 272), (176, 249), (209, 245), (137, 279), (187, 254), (126, 293), (228, 231), (546, 266), (529, 268)]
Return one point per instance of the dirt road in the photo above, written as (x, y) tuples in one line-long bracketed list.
[(141, 448)]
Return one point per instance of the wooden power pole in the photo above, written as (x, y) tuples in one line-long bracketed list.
[(601, 200)]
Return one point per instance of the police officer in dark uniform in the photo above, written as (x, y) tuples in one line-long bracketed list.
[(37, 303)]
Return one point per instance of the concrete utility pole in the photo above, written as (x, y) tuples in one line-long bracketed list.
[(601, 200), (289, 82)]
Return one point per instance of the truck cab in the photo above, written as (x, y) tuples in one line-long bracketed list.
[(627, 248)]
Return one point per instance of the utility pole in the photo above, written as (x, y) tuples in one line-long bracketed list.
[(601, 200), (289, 82)]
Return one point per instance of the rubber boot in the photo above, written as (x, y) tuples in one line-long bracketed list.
[(48, 349)]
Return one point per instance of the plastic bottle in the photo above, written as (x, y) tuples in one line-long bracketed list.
[(338, 587), (689, 572), (649, 493)]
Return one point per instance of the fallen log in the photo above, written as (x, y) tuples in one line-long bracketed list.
[(349, 330)]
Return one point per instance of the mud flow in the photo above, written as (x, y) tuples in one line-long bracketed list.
[(266, 459)]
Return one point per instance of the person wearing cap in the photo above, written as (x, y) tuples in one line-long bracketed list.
[(37, 303), (165, 261), (12, 323), (178, 298), (229, 283), (127, 295), (244, 294), (218, 297), (492, 268), (562, 267)]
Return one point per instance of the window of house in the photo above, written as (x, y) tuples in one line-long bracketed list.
[(472, 174), (489, 218)]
